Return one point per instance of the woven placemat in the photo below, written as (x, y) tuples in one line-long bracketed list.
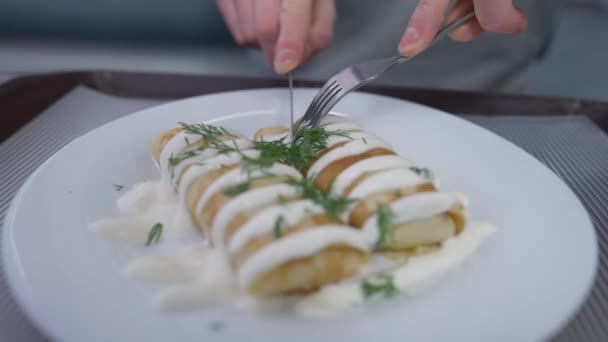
[(573, 147), (577, 151)]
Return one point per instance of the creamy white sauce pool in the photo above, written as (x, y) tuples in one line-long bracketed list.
[(142, 207), (416, 274), (195, 277)]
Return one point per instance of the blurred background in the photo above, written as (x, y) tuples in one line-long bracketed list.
[(565, 53)]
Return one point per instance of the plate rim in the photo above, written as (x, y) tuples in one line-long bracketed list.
[(10, 257)]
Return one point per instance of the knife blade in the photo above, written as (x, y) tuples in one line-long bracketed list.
[(290, 80)]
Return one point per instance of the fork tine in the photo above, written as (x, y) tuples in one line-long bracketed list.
[(327, 94), (310, 113), (330, 105), (315, 102), (327, 103), (357, 75)]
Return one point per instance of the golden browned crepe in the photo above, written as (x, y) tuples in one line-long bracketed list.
[(331, 263), (407, 235), (298, 275)]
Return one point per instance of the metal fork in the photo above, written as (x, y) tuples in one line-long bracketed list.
[(360, 74)]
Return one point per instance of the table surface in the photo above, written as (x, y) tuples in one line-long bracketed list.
[(573, 146)]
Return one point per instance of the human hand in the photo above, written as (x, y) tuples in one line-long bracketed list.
[(288, 31), (500, 16)]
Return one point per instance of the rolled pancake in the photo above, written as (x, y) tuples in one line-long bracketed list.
[(406, 235), (204, 216), (271, 133), (157, 145), (325, 178), (191, 142), (425, 232), (308, 274), (330, 264), (295, 275)]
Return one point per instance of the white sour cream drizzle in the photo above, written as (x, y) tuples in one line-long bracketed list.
[(263, 222), (386, 180), (236, 176), (354, 171), (240, 144), (336, 139), (414, 207), (410, 278), (352, 148), (178, 143), (197, 171), (173, 147), (243, 202), (343, 126), (301, 244)]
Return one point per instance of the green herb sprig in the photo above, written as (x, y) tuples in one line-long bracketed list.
[(306, 146), (333, 205), (118, 187), (237, 189), (154, 234), (421, 171), (379, 285), (277, 230), (386, 226), (212, 137)]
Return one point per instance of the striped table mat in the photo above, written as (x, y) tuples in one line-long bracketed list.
[(573, 147)]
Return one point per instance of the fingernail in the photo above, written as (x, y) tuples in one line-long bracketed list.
[(285, 61), (410, 37)]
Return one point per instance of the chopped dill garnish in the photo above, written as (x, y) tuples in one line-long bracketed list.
[(174, 161), (424, 172), (333, 205), (308, 143), (212, 138), (205, 131), (277, 231), (308, 211), (118, 187), (271, 152), (385, 224), (379, 285), (154, 234), (236, 190), (306, 146), (281, 199), (244, 186), (364, 140)]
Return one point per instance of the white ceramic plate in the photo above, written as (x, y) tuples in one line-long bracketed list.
[(523, 285)]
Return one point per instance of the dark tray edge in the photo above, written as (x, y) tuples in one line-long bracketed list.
[(22, 98)]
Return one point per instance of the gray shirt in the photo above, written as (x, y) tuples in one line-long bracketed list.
[(365, 29), (372, 29)]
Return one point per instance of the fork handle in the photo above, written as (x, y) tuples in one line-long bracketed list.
[(452, 26), (444, 32)]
